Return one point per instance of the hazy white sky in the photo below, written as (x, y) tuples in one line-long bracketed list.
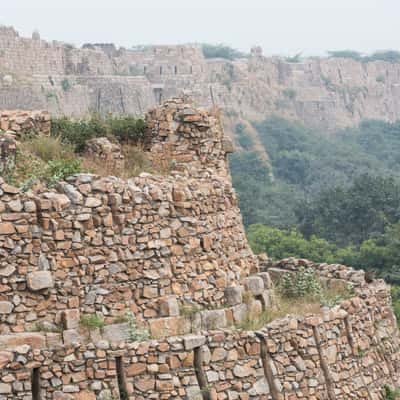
[(279, 26)]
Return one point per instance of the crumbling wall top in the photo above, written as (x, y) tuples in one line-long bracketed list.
[(187, 138)]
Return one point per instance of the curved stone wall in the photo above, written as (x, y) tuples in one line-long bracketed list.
[(149, 244)]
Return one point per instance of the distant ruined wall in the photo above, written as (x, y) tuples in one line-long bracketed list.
[(327, 93)]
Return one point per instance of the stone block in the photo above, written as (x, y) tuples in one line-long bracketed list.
[(6, 307), (266, 298), (213, 319), (240, 313), (39, 280), (71, 336), (254, 284), (169, 306), (6, 228), (12, 341), (71, 319), (266, 278), (193, 341), (169, 326), (116, 332), (233, 295)]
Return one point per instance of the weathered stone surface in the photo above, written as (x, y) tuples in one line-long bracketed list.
[(233, 295), (169, 306), (116, 332), (115, 251), (255, 285), (35, 340), (193, 341), (40, 280), (213, 319), (6, 307), (6, 228)]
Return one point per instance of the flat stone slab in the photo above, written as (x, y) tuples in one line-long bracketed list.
[(39, 280), (10, 342)]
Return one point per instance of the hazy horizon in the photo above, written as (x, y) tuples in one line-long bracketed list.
[(280, 27)]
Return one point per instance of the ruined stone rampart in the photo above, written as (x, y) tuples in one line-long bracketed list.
[(25, 122), (105, 245), (349, 351), (170, 252)]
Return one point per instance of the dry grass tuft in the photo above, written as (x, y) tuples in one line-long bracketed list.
[(136, 161), (48, 148)]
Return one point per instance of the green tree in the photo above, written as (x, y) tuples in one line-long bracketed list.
[(351, 215), (280, 244)]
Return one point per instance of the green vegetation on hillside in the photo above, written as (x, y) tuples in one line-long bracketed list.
[(326, 198)]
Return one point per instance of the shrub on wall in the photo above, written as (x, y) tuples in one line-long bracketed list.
[(221, 51), (123, 129)]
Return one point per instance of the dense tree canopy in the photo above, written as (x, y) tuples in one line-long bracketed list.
[(327, 198)]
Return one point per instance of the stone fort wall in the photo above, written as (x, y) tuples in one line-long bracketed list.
[(349, 351), (105, 246), (150, 245), (328, 93)]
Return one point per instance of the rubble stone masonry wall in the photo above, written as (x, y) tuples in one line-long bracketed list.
[(100, 247), (25, 122), (348, 352), (104, 245)]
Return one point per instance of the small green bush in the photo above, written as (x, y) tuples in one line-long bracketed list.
[(49, 173), (391, 394), (65, 84), (302, 283), (77, 133), (294, 59), (380, 79), (59, 170), (221, 51), (127, 129), (92, 322), (135, 332), (391, 56), (289, 93), (355, 55)]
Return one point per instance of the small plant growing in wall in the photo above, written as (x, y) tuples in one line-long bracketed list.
[(65, 84), (92, 322), (302, 283), (289, 93), (380, 79), (135, 332), (390, 394)]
